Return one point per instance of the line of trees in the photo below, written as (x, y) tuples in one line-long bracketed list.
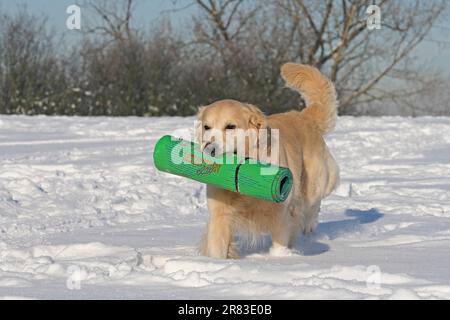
[(231, 49)]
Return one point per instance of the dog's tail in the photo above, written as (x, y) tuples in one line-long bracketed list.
[(318, 92)]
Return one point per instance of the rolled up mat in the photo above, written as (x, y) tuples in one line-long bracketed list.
[(230, 172)]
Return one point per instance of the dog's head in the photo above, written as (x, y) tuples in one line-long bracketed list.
[(224, 125)]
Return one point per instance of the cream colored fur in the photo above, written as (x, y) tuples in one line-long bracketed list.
[(302, 149)]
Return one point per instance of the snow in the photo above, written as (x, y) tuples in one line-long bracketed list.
[(84, 214)]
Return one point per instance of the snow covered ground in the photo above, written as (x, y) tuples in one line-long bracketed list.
[(84, 214)]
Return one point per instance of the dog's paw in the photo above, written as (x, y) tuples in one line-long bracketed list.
[(233, 251), (280, 251), (310, 227)]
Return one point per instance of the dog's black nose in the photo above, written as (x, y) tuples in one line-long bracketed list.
[(210, 149)]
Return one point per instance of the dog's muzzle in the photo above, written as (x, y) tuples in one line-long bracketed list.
[(211, 149)]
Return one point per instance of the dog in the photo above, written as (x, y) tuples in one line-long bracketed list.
[(302, 149)]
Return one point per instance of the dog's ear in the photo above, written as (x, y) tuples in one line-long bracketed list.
[(199, 125), (257, 119), (200, 112)]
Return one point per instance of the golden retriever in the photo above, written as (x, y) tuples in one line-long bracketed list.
[(301, 148)]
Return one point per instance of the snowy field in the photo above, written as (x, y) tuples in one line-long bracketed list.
[(84, 214)]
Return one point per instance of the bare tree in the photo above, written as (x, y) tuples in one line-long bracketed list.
[(235, 50), (111, 19), (31, 76), (129, 71), (331, 35)]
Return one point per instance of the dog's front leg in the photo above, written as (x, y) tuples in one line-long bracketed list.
[(218, 240)]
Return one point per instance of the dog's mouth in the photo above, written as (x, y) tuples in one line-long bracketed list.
[(212, 150)]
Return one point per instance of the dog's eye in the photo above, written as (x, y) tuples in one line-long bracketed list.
[(230, 127), (206, 127)]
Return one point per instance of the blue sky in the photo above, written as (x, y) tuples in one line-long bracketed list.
[(150, 10), (56, 9), (147, 10)]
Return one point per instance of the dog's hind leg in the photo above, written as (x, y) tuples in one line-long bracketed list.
[(294, 225), (310, 219), (293, 239)]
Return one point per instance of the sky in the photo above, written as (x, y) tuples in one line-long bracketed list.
[(149, 11), (56, 9)]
